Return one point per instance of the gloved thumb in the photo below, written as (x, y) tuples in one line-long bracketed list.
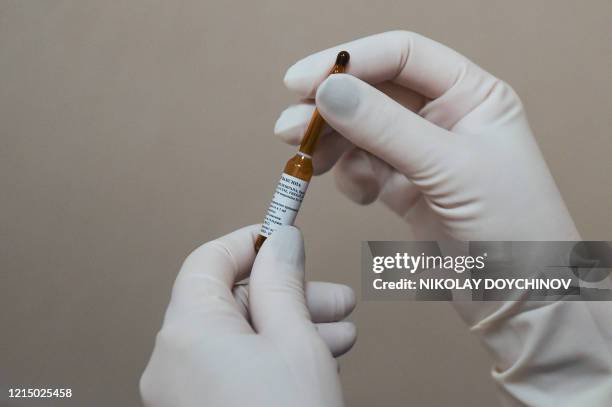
[(376, 123), (276, 289)]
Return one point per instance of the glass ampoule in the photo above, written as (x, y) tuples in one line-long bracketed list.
[(294, 180)]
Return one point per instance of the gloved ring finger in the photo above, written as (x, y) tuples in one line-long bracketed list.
[(329, 302)]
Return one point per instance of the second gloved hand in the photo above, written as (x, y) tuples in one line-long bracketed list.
[(216, 348)]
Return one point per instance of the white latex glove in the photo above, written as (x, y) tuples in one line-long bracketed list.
[(275, 348), (447, 146)]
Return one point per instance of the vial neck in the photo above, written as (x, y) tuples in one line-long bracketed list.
[(304, 155), (311, 136), (315, 126)]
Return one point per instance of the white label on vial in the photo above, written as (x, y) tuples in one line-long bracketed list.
[(285, 204)]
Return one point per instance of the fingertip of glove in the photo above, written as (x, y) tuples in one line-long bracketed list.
[(349, 299), (287, 245), (349, 333), (298, 79), (338, 95), (291, 123)]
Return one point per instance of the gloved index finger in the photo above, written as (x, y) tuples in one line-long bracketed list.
[(203, 287), (405, 58), (227, 259)]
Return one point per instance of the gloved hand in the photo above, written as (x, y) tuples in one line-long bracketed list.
[(458, 160), (447, 146), (271, 343)]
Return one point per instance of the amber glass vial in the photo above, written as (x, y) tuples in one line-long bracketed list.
[(297, 173)]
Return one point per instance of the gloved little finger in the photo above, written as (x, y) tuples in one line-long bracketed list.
[(338, 336)]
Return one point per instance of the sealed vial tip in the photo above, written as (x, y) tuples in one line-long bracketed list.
[(343, 58)]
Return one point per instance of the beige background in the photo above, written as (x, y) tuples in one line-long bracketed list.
[(131, 132)]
